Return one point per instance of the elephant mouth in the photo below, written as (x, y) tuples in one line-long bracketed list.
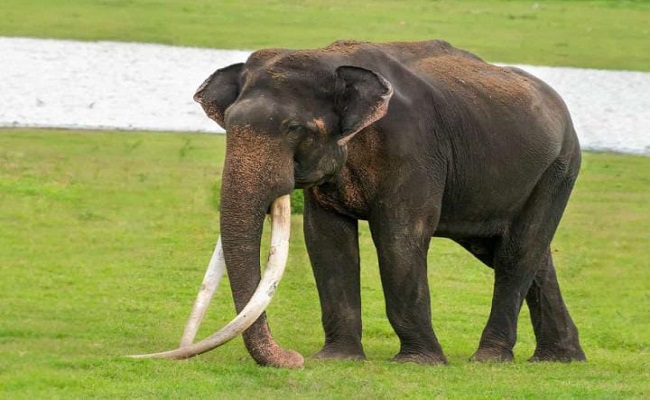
[(308, 184), (307, 180), (280, 215)]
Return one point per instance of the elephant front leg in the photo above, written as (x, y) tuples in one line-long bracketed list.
[(333, 247), (402, 252)]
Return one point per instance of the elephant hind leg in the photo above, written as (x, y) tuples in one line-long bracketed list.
[(521, 264), (556, 334)]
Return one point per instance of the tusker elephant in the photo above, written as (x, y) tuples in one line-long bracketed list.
[(420, 139)]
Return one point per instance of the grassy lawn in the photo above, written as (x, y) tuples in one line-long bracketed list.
[(597, 34), (105, 237)]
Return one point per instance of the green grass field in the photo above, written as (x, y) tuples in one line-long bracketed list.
[(105, 235), (597, 34)]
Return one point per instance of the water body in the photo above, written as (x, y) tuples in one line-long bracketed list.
[(112, 85)]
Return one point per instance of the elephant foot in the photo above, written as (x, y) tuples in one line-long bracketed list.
[(574, 353), (266, 352), (281, 358), (340, 352), (491, 354), (421, 358)]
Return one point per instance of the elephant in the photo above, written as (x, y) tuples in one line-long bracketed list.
[(420, 139)]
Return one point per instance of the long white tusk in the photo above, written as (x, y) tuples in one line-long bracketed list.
[(213, 275), (279, 252)]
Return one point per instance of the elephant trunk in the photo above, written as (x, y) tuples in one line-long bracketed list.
[(253, 182), (249, 186)]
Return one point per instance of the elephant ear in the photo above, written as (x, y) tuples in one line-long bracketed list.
[(362, 98), (219, 91)]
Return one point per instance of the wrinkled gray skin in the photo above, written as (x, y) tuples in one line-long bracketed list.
[(420, 139)]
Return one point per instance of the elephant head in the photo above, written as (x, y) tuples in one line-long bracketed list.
[(288, 117)]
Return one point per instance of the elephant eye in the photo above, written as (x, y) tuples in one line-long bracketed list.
[(293, 127)]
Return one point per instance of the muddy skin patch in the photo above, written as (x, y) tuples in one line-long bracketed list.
[(305, 57), (277, 76), (265, 56), (213, 112), (345, 46), (320, 125), (253, 154), (463, 73)]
